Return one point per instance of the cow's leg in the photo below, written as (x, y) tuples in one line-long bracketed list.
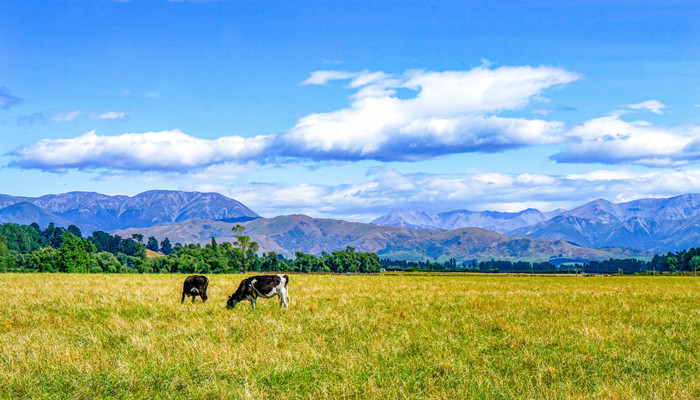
[(283, 298), (183, 297), (252, 303), (193, 297)]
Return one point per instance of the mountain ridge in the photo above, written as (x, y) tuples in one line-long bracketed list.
[(92, 211), (291, 233), (652, 224)]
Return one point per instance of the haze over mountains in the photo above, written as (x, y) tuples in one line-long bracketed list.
[(665, 224)]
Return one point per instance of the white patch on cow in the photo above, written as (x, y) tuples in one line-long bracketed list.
[(279, 290)]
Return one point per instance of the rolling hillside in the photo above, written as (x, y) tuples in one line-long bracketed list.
[(291, 233)]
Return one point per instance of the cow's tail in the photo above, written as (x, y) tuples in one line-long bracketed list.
[(286, 281)]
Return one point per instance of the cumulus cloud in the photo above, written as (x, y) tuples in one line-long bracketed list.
[(7, 100), (166, 150), (449, 112), (611, 140), (654, 106)]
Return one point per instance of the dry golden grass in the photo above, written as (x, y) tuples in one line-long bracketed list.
[(365, 337)]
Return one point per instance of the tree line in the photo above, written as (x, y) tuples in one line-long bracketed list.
[(682, 261), (28, 248)]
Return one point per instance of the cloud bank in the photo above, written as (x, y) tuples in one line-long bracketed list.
[(610, 140), (477, 191), (157, 151), (444, 113), (411, 117)]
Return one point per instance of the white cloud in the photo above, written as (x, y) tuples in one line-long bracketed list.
[(376, 195), (110, 115), (166, 150), (654, 106), (610, 140), (450, 112), (323, 77), (65, 116)]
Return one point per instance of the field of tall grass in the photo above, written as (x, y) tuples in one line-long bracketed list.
[(364, 337)]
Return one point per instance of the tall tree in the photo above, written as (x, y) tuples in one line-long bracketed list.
[(152, 244), (247, 246), (695, 264), (165, 247), (74, 254), (74, 230)]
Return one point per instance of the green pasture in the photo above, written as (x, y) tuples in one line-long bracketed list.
[(449, 336)]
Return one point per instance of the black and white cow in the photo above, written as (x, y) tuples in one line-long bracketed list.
[(195, 285), (260, 286)]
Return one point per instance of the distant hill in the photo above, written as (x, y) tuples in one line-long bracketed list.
[(25, 213), (93, 211), (660, 225), (291, 233), (502, 222)]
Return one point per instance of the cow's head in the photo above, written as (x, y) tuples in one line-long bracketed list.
[(245, 292), (232, 302)]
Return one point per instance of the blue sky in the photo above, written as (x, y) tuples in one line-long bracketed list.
[(353, 109)]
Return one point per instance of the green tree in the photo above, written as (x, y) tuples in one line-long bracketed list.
[(74, 254), (74, 230), (53, 235), (107, 262), (152, 244), (138, 237), (44, 260), (22, 238), (672, 263), (695, 264), (247, 246), (270, 261), (4, 255), (165, 247)]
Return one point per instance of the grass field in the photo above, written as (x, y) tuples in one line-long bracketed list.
[(384, 336)]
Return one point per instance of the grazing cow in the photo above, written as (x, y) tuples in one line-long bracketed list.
[(195, 285), (264, 286)]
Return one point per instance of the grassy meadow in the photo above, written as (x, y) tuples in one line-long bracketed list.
[(364, 337)]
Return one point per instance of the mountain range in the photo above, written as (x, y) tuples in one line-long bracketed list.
[(595, 230), (291, 233), (660, 225), (91, 211)]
